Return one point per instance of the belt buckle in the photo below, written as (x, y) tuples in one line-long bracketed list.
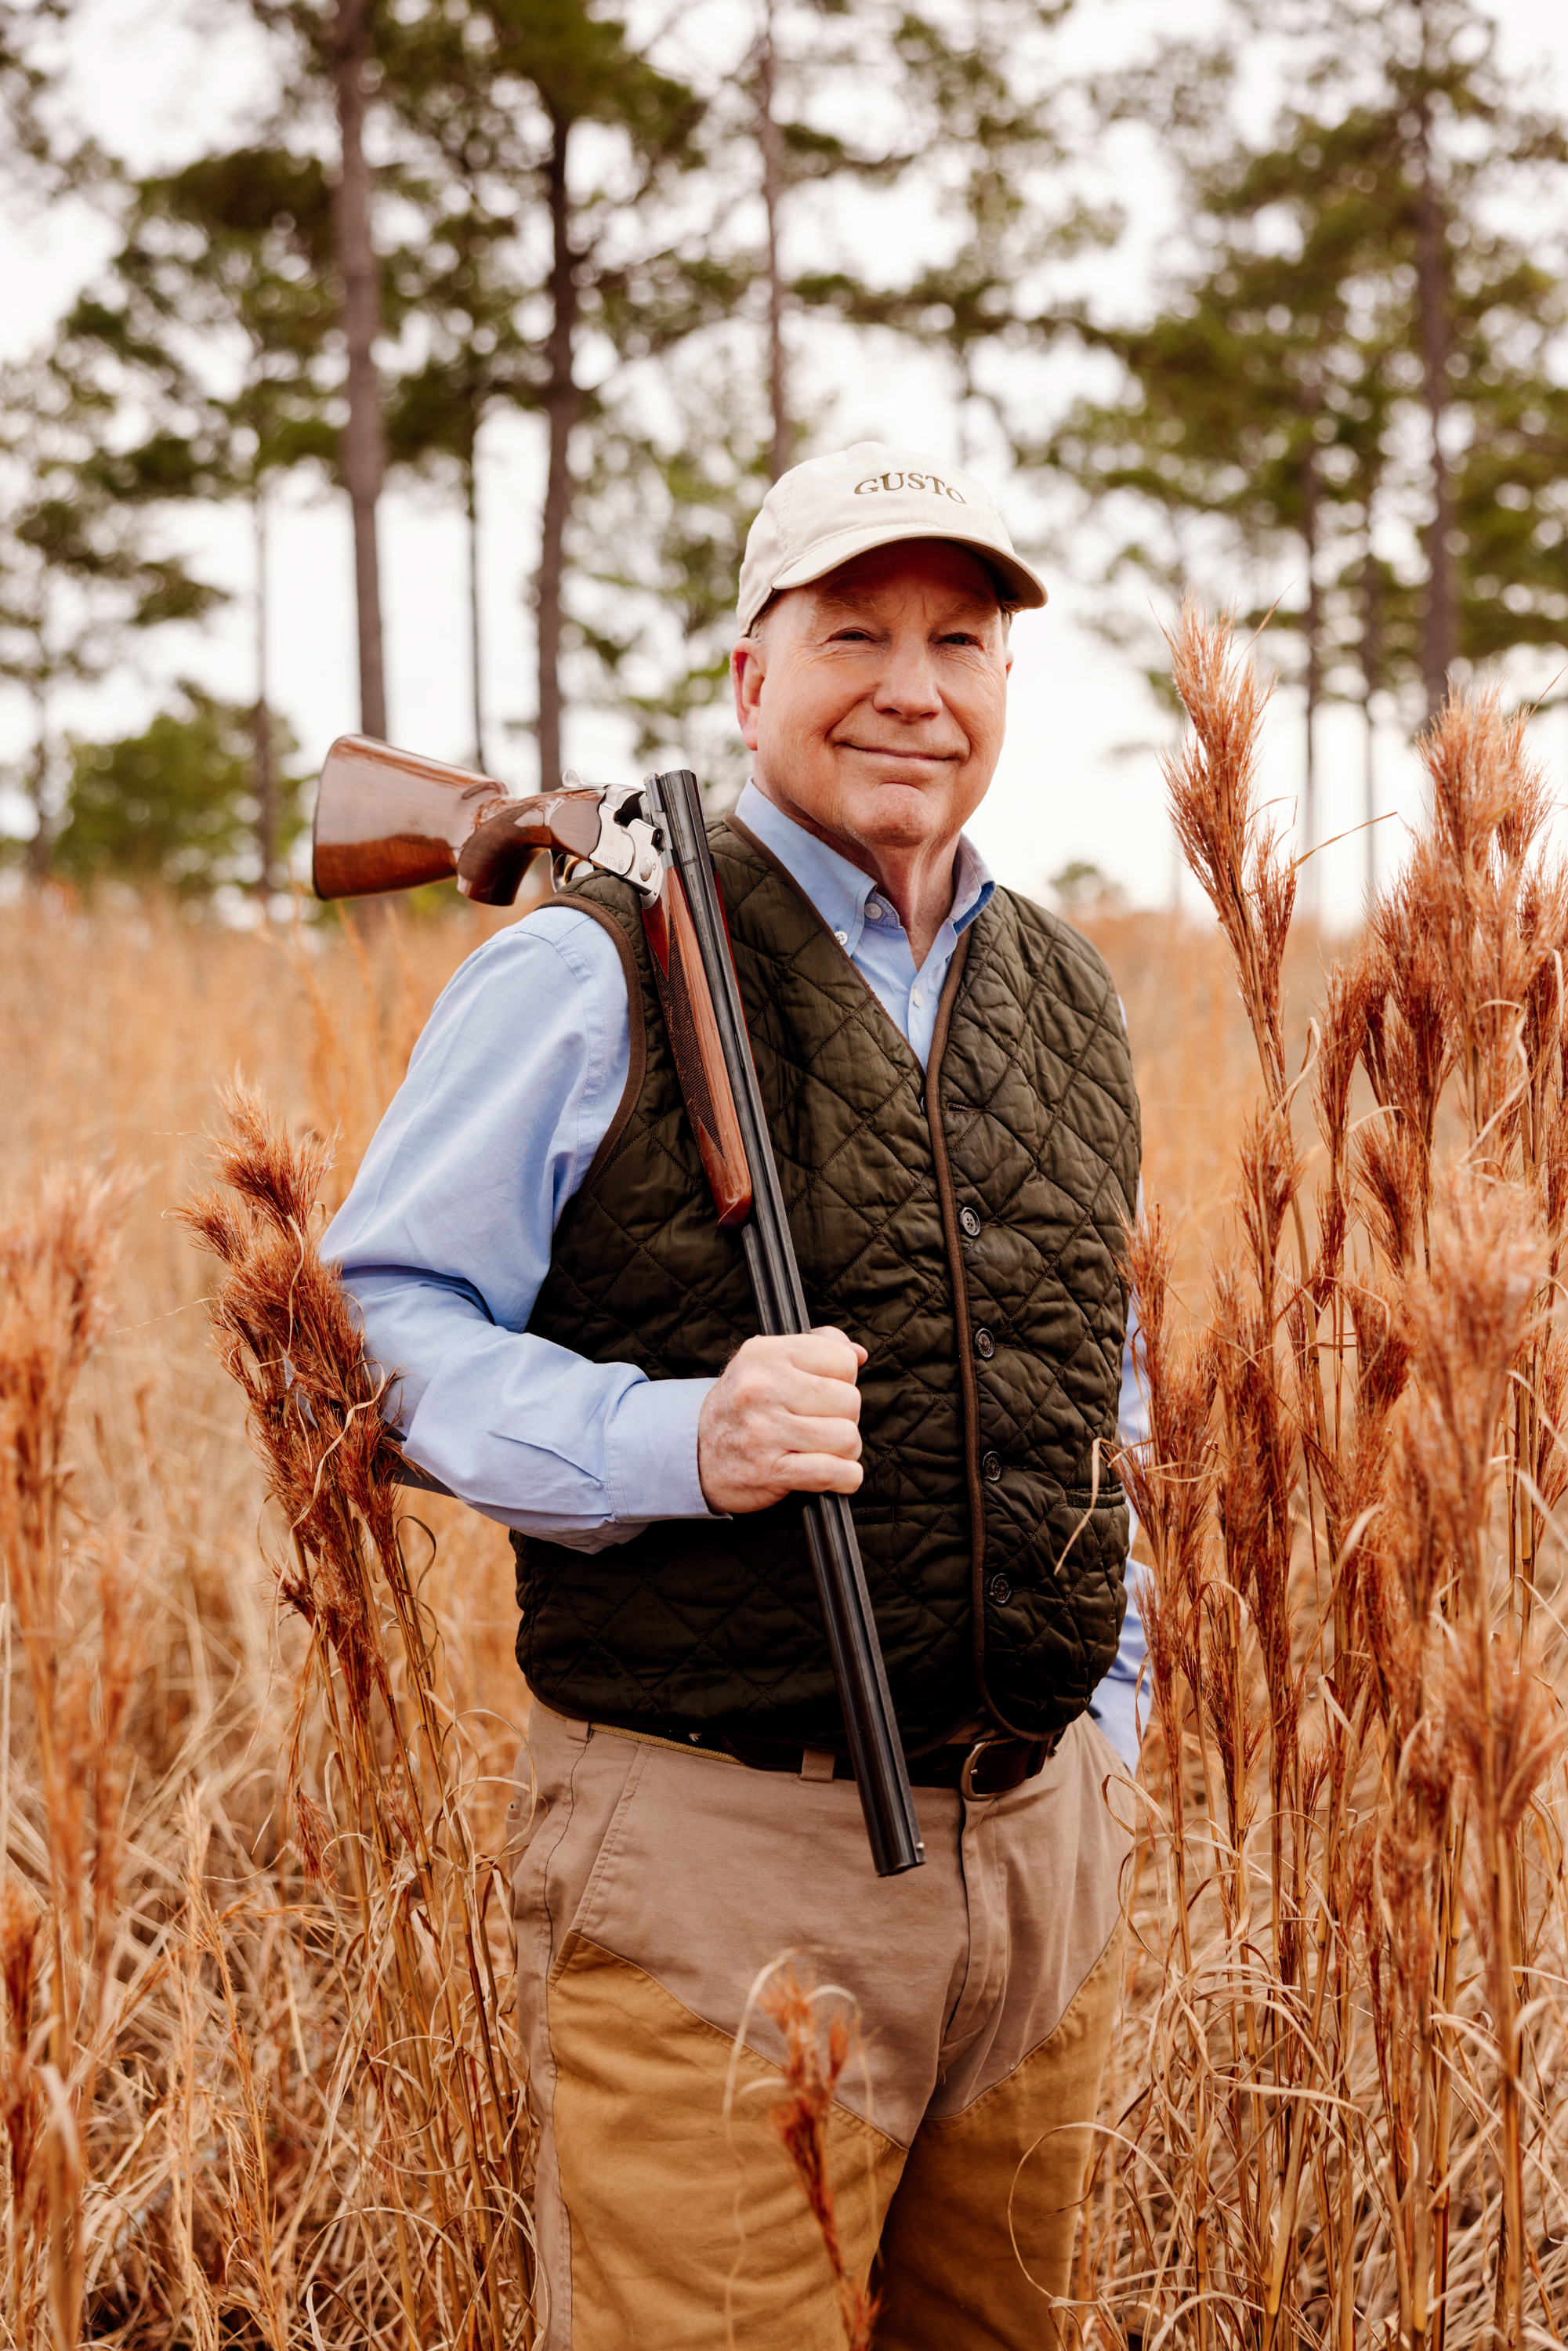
[(966, 1787)]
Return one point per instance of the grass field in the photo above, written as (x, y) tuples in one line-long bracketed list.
[(243, 2102)]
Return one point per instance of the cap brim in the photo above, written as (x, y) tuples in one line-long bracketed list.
[(1018, 584)]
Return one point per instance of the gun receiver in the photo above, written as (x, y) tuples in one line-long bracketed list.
[(388, 821)]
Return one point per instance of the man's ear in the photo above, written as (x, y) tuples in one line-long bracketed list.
[(747, 668)]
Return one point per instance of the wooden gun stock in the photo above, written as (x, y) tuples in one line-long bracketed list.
[(694, 1040), (389, 819)]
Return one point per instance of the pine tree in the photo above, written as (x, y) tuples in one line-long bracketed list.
[(1480, 311), (1376, 385), (990, 116), (1257, 400), (41, 153), (665, 508), (706, 410), (174, 807), (769, 128), (340, 55), (79, 574), (497, 91), (469, 298), (213, 323)]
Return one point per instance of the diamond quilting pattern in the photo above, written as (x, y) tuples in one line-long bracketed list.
[(715, 1623)]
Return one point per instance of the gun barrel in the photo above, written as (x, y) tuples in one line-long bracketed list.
[(876, 1750), (389, 819)]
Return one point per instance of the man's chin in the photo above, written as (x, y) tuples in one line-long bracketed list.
[(898, 812)]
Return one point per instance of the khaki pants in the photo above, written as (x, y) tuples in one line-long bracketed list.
[(653, 1885)]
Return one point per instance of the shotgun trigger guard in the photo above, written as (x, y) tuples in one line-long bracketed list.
[(629, 845)]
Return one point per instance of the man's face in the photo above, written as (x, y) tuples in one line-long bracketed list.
[(875, 700)]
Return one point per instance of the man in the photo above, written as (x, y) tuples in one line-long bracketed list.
[(531, 1241)]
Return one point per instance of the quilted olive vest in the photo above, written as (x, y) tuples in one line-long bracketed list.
[(965, 1225)]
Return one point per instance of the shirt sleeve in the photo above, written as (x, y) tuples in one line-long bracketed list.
[(1116, 1706), (446, 1239)]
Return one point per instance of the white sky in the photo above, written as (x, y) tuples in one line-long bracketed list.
[(159, 82)]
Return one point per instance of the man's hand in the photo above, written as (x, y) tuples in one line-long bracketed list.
[(783, 1419)]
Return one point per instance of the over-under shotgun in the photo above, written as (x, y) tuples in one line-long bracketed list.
[(387, 820)]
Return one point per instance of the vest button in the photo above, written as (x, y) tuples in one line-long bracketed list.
[(985, 1345), (991, 1468), (1000, 1590), (969, 1222)]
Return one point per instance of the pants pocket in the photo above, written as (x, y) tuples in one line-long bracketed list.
[(580, 1874)]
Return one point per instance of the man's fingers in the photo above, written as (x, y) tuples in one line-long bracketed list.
[(808, 1398), (819, 1473), (806, 1433), (782, 1419), (828, 1351), (805, 1375)]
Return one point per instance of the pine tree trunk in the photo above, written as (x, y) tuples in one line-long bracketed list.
[(1371, 679), (782, 455), (1439, 644), (261, 717), (563, 407), (40, 849), (1313, 629), (364, 451), (477, 649)]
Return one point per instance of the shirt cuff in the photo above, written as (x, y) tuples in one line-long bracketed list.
[(650, 1451)]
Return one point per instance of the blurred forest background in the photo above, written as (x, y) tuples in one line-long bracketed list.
[(1271, 306)]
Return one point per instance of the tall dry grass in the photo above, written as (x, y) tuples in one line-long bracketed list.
[(255, 2060), (1334, 2118), (253, 1763)]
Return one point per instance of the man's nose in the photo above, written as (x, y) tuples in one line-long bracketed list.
[(908, 687)]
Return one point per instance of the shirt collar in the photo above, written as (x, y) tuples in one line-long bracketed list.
[(839, 889)]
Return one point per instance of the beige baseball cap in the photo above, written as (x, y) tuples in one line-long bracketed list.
[(818, 515)]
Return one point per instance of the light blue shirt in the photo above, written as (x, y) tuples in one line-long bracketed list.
[(1116, 1706), (446, 1237), (863, 922)]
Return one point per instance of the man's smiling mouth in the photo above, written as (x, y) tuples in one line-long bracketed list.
[(894, 751)]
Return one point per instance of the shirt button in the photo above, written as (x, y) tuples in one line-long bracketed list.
[(842, 937), (917, 998), (969, 1223), (991, 1468), (1000, 1590), (872, 911), (985, 1345)]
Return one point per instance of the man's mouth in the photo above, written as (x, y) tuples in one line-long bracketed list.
[(902, 751)]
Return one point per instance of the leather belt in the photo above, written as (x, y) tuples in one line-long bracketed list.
[(988, 1766)]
